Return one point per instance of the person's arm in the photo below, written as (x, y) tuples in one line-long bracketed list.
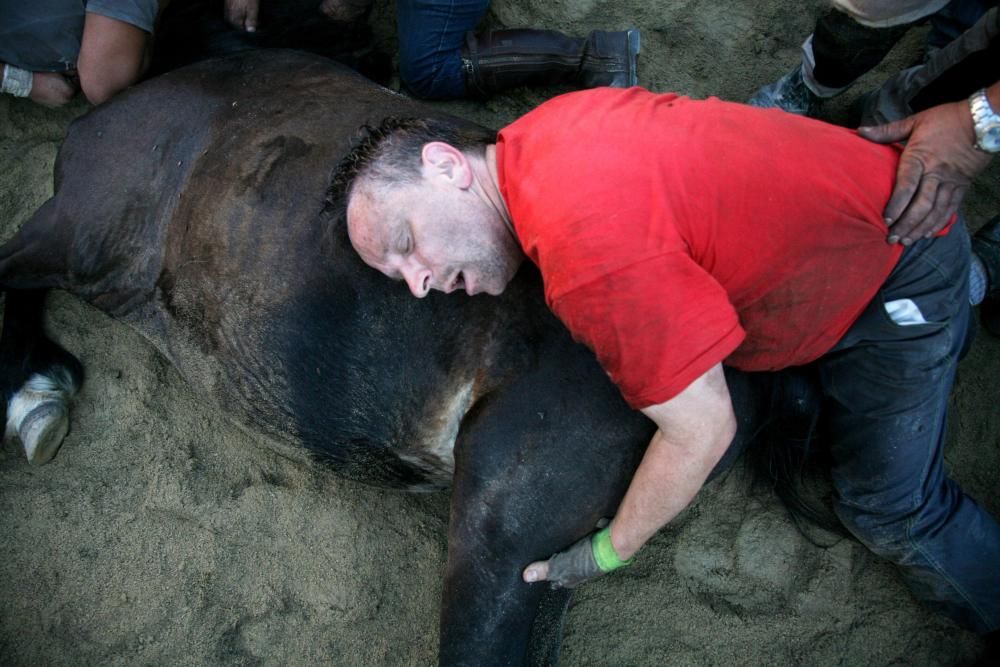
[(694, 430), (242, 14), (50, 89), (937, 165)]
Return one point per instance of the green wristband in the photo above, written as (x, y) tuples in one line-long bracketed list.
[(604, 552)]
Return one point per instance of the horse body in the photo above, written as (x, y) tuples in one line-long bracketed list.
[(195, 208)]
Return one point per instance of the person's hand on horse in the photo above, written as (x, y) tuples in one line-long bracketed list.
[(589, 558)]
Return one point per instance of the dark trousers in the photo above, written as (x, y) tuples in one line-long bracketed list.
[(431, 35), (886, 388), (950, 74)]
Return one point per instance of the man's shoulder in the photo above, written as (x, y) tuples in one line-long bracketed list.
[(567, 110)]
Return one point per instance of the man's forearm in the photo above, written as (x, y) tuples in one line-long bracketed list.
[(695, 429), (669, 477)]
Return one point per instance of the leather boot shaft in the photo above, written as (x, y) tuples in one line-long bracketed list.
[(497, 60)]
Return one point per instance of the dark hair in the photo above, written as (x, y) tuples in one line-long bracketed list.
[(390, 153)]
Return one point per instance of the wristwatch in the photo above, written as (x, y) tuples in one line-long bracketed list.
[(986, 122)]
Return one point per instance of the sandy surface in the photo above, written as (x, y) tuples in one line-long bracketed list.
[(165, 534)]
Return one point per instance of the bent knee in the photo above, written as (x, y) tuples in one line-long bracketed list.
[(432, 80), (113, 56), (895, 531), (100, 81)]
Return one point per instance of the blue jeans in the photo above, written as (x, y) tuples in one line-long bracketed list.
[(431, 35), (886, 389), (45, 35)]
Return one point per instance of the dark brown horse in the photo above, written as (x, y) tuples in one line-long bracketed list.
[(195, 208)]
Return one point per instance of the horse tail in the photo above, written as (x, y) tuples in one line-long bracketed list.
[(790, 457)]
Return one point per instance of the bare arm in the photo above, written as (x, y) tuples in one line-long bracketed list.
[(695, 429), (51, 89), (937, 166)]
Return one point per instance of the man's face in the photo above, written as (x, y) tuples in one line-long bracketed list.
[(433, 235)]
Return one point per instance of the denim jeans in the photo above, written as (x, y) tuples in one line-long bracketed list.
[(886, 389), (431, 35), (45, 35)]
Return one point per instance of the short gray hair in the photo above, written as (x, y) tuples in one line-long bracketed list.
[(390, 154)]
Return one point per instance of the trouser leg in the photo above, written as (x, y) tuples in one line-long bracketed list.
[(42, 35), (844, 45), (951, 73), (887, 388), (841, 50), (431, 37), (440, 57), (955, 18)]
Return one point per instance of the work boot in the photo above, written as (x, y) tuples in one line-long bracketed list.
[(501, 59), (986, 245), (789, 93)]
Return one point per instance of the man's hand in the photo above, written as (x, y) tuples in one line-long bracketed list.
[(587, 559), (242, 14), (53, 89), (935, 170), (695, 428)]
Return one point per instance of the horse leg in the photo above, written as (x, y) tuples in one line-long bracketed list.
[(37, 376), (533, 474)]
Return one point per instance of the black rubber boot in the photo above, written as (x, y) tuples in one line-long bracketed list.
[(986, 245), (500, 59)]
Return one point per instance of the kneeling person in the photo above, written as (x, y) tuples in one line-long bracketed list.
[(51, 49), (676, 235)]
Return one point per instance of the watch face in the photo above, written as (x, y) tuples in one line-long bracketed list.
[(990, 139)]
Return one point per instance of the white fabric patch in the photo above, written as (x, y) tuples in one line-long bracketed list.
[(904, 312), (16, 81)]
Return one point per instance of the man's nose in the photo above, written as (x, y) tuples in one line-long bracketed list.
[(417, 277)]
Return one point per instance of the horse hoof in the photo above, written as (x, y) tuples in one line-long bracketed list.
[(42, 431)]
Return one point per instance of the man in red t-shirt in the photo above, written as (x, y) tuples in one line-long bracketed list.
[(676, 235)]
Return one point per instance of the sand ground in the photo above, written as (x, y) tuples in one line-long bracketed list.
[(164, 534)]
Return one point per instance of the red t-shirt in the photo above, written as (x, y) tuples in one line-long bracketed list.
[(673, 234)]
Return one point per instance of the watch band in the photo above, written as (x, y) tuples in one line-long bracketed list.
[(985, 122)]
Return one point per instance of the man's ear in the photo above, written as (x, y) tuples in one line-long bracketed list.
[(444, 161)]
